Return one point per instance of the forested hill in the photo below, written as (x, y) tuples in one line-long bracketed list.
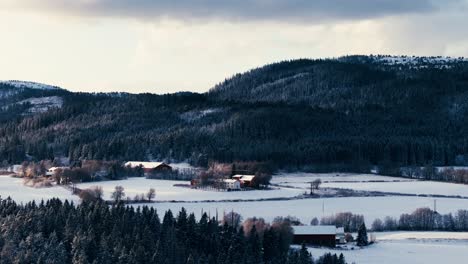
[(351, 112), (353, 82)]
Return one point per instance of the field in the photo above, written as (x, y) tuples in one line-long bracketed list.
[(370, 182), (14, 188), (166, 191), (408, 247)]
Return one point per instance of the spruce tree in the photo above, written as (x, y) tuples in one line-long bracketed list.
[(362, 239)]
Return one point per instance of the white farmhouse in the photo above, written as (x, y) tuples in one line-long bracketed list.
[(232, 184)]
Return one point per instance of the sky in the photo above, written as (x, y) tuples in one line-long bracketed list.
[(165, 46)]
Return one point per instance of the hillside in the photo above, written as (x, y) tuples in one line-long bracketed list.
[(353, 82), (349, 113)]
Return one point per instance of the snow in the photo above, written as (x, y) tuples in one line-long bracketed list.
[(194, 115), (408, 247), (303, 180), (371, 182), (421, 235), (182, 166), (31, 85), (416, 187), (42, 104), (316, 230), (439, 61), (144, 164), (166, 191), (307, 209), (20, 193)]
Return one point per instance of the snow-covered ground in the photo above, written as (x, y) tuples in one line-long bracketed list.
[(421, 235), (417, 187), (197, 200), (306, 209), (408, 247), (14, 188), (166, 191), (371, 182), (42, 104), (303, 180)]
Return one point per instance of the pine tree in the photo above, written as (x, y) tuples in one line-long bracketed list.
[(362, 239), (304, 255)]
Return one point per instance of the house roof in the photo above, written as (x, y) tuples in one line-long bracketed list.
[(56, 168), (230, 180), (314, 230), (244, 177), (144, 164)]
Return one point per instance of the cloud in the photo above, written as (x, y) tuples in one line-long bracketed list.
[(305, 11)]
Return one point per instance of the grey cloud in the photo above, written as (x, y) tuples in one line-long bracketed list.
[(240, 10)]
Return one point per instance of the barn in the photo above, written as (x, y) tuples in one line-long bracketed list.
[(245, 180), (149, 167), (324, 236)]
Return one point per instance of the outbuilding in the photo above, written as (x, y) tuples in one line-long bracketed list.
[(324, 236)]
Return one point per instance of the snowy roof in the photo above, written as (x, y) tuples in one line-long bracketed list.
[(244, 177), (144, 164), (230, 180), (56, 168), (314, 230), (340, 230)]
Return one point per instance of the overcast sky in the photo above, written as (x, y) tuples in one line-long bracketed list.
[(163, 46)]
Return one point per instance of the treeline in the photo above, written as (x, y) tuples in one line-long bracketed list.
[(424, 219), (349, 221), (60, 232), (429, 172)]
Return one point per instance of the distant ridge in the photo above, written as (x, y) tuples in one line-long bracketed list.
[(30, 85)]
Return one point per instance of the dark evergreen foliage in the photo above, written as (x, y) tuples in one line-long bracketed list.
[(93, 232)]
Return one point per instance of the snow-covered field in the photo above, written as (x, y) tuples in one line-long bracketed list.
[(417, 187), (198, 200), (166, 191), (408, 247), (421, 235), (14, 188), (370, 182), (306, 209), (303, 180)]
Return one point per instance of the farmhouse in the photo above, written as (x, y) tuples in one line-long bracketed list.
[(245, 180), (315, 235), (149, 166), (232, 184)]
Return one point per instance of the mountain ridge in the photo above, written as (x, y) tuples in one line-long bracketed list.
[(296, 113)]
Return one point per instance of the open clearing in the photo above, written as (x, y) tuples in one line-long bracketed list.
[(14, 188), (166, 191), (174, 198), (369, 182), (408, 247)]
